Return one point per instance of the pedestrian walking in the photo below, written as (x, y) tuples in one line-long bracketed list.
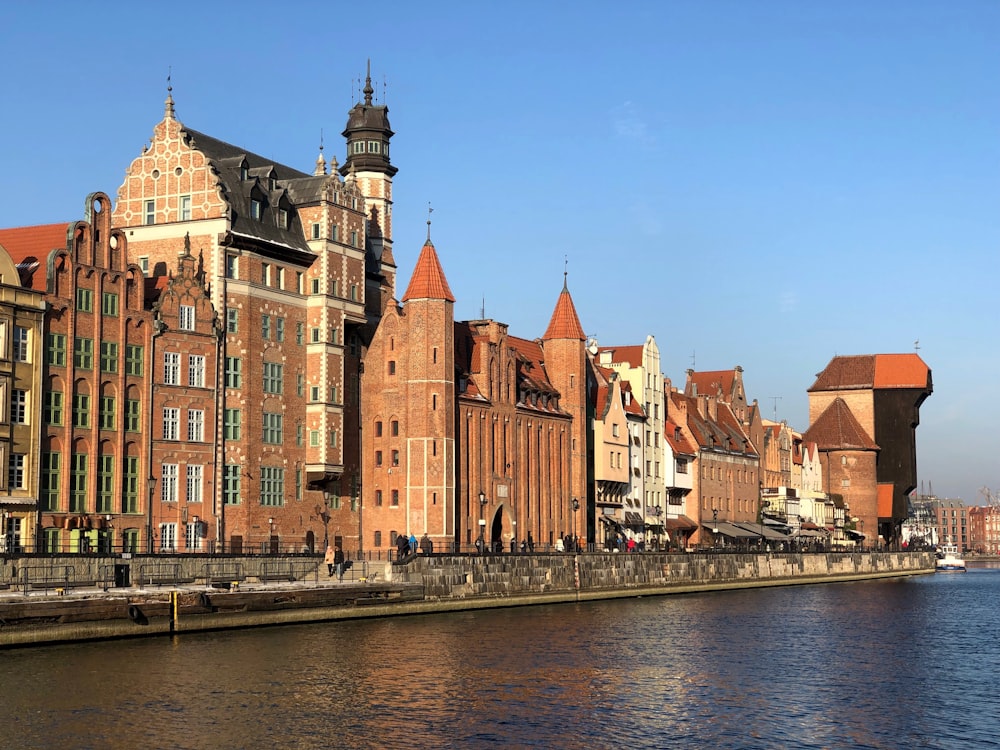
[(329, 560), (338, 563)]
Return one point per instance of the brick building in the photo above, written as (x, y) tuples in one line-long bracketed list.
[(469, 440), (298, 266), (863, 415)]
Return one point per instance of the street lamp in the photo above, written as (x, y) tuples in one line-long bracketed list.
[(150, 488), (763, 504), (482, 521), (576, 507), (715, 526)]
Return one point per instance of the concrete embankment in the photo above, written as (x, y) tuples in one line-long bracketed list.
[(424, 585)]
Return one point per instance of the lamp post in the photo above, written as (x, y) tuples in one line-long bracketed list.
[(715, 526), (763, 504), (150, 488), (482, 522), (576, 507), (658, 514)]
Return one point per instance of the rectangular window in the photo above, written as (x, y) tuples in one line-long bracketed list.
[(256, 209), (300, 331), (168, 537), (265, 273), (378, 458), (231, 475), (130, 501), (315, 231), (194, 483), (105, 484), (168, 483), (378, 497), (186, 318), (265, 327), (233, 423), (273, 377), (279, 329), (83, 353), (232, 320), (54, 407), (272, 486), (50, 481), (19, 406), (81, 410), (109, 304), (315, 335), (171, 368), (84, 300), (15, 471), (109, 356), (314, 393), (78, 484), (144, 264), (231, 266), (185, 208), (394, 427), (314, 285), (196, 371), (395, 499), (272, 428), (55, 350), (354, 292), (132, 415), (395, 458), (234, 372), (107, 414), (19, 348), (193, 537), (133, 360), (171, 423), (196, 425), (314, 438), (300, 384), (149, 213)]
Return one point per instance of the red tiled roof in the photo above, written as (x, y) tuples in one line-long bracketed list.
[(711, 382), (630, 355), (864, 371), (565, 324), (428, 280), (29, 248), (838, 428)]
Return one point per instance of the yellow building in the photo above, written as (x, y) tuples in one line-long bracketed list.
[(21, 314)]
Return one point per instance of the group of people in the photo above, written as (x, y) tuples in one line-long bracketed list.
[(335, 563)]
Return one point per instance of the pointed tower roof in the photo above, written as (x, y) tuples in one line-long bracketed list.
[(428, 280), (565, 324)]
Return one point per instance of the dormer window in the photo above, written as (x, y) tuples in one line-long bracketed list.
[(283, 218), (272, 183), (256, 208), (244, 172)]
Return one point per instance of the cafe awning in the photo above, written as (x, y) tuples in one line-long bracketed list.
[(762, 531), (730, 530), (679, 523)]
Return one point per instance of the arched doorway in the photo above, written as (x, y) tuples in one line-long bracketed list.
[(496, 531)]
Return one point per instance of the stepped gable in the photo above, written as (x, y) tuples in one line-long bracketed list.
[(428, 280), (29, 248), (565, 324), (838, 429)]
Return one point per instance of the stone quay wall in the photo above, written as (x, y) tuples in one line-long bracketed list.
[(592, 576)]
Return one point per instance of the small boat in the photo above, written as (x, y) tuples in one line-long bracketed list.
[(949, 559)]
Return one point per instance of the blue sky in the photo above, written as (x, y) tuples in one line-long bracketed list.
[(765, 184)]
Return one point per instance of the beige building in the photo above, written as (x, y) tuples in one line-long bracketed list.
[(21, 347)]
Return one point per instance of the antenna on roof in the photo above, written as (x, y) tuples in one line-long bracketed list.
[(916, 345), (775, 399), (430, 210), (692, 359), (482, 311)]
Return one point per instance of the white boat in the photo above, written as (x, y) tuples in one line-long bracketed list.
[(949, 559)]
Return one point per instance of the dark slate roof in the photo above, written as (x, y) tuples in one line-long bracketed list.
[(227, 160)]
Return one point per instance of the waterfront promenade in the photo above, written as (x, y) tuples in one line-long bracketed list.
[(422, 584)]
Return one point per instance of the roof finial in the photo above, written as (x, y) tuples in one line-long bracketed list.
[(368, 85), (565, 273), (429, 212), (168, 110), (320, 160)]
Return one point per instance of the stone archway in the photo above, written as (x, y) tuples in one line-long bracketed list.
[(496, 531)]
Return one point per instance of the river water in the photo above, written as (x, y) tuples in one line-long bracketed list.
[(907, 663)]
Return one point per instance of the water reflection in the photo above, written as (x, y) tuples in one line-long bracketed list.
[(881, 664)]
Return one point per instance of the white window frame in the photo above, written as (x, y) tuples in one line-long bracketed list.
[(196, 425), (168, 483), (196, 370), (171, 368), (171, 423), (186, 318), (195, 482)]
